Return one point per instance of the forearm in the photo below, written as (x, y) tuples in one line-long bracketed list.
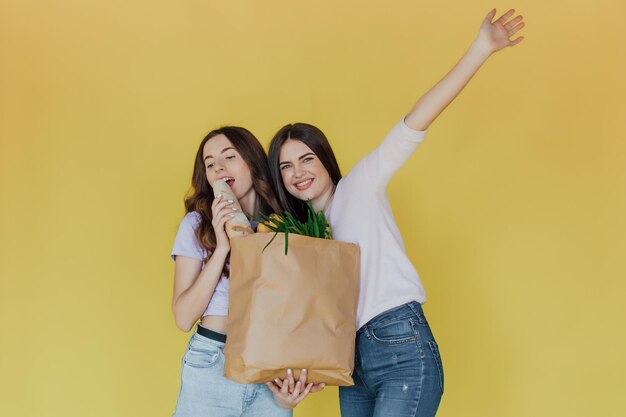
[(191, 303), (429, 106)]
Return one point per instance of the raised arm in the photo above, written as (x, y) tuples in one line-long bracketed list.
[(493, 36)]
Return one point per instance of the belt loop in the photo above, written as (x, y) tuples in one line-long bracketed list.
[(417, 309), (366, 330)]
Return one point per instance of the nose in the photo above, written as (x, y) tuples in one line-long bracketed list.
[(298, 171)]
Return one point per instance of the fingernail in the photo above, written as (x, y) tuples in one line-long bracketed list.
[(304, 370), (234, 208), (232, 215), (277, 380), (289, 371), (230, 201)]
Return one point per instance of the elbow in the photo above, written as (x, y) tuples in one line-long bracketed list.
[(415, 121), (183, 322), (184, 325)]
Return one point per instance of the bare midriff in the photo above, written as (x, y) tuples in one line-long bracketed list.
[(215, 323)]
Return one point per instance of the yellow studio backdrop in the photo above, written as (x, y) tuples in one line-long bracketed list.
[(512, 210)]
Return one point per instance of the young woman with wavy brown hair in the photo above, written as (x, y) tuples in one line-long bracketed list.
[(201, 282)]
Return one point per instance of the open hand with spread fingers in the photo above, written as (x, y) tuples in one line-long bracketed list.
[(288, 393), (496, 35)]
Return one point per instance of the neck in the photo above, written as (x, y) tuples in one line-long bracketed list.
[(322, 202), (248, 202)]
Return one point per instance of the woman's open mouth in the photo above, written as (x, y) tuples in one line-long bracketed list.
[(229, 180)]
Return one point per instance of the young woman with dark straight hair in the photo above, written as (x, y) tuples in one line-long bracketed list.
[(398, 368)]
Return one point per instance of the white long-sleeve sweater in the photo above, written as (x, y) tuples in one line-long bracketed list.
[(359, 212)]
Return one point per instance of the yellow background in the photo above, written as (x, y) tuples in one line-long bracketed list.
[(512, 210)]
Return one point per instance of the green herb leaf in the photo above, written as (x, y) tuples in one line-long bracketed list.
[(315, 226)]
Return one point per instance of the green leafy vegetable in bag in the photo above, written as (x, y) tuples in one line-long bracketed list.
[(315, 226)]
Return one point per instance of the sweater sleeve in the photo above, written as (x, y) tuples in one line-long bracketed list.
[(384, 161)]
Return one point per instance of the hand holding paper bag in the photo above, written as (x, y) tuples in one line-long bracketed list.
[(288, 393)]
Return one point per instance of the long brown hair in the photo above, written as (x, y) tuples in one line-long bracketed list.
[(200, 197), (315, 139)]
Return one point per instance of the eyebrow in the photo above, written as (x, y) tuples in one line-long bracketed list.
[(306, 154), (223, 150)]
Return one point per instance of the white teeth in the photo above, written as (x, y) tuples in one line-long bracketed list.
[(303, 183)]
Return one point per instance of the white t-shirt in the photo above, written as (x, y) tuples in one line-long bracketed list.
[(360, 213)]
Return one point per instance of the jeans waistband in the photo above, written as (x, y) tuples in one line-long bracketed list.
[(412, 308), (210, 334)]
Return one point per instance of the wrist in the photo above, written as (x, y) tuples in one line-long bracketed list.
[(221, 251), (481, 48)]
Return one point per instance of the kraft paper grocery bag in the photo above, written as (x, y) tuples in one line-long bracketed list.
[(291, 311)]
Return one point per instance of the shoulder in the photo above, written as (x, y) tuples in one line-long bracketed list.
[(188, 225), (186, 242), (193, 219)]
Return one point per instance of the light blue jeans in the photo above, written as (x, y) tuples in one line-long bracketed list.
[(206, 392)]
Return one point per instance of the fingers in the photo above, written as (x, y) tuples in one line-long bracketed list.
[(289, 394), (318, 387), (222, 212), (516, 41), (225, 206), (502, 20), (222, 222), (216, 200), (284, 389), (511, 24), (296, 391), (219, 203), (490, 15), (304, 393), (284, 395), (292, 382), (272, 386), (516, 29), (289, 385), (303, 375)]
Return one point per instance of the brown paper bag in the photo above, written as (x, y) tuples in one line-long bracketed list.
[(291, 311)]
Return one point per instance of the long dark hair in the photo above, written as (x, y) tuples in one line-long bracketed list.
[(200, 198), (315, 139)]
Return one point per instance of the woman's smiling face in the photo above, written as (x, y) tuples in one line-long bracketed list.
[(303, 174)]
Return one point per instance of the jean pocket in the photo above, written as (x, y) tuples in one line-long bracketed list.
[(435, 350), (201, 357), (400, 331)]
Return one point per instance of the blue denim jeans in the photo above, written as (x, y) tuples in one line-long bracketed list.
[(206, 392), (397, 367)]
